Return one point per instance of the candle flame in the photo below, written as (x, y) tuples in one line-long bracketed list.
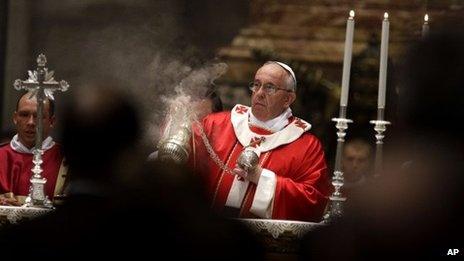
[(351, 14), (426, 18), (385, 15)]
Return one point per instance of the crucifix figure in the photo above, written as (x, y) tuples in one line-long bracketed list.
[(41, 84)]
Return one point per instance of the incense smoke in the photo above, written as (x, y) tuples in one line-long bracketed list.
[(177, 103)]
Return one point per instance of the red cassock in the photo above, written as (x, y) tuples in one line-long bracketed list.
[(15, 170), (293, 184)]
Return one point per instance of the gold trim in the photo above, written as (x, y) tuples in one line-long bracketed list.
[(194, 152), (60, 180), (222, 174), (247, 194)]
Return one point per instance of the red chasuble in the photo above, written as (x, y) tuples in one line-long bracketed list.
[(293, 185), (15, 170)]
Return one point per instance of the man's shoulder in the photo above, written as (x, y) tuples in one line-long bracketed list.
[(218, 121), (57, 145), (218, 117), (309, 139), (5, 150), (219, 114), (56, 148), (4, 146)]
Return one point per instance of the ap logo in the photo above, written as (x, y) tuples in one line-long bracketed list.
[(452, 252)]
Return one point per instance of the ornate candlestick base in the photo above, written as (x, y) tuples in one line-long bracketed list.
[(37, 197), (335, 208)]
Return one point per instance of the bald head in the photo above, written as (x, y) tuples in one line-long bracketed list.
[(25, 119), (50, 107)]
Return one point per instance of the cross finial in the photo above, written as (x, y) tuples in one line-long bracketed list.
[(35, 81)]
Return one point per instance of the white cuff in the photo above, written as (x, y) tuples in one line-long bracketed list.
[(237, 193), (263, 201), (153, 156)]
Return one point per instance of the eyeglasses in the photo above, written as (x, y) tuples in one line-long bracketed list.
[(268, 88)]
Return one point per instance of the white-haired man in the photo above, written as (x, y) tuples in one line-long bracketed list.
[(290, 181)]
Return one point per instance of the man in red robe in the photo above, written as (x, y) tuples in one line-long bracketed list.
[(16, 156), (290, 181)]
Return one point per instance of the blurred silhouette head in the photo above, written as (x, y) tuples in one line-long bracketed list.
[(431, 104), (100, 125), (422, 201), (432, 87)]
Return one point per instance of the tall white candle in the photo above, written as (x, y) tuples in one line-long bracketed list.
[(425, 26), (383, 62), (347, 59)]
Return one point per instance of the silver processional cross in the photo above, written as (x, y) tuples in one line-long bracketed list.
[(41, 84)]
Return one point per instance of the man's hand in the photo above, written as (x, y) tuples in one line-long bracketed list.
[(8, 199), (252, 176)]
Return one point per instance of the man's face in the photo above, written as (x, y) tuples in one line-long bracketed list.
[(268, 106), (25, 120), (355, 162)]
